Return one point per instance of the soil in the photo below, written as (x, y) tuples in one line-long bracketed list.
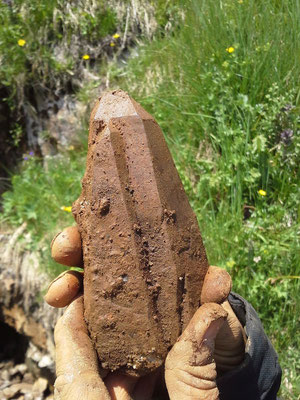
[(143, 254)]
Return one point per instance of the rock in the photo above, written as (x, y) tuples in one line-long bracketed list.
[(143, 254), (40, 386), (9, 284), (25, 387), (62, 125), (18, 369), (7, 364), (5, 375), (15, 379), (28, 377), (11, 391), (46, 362), (40, 364), (20, 304)]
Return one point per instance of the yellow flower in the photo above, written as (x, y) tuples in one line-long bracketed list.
[(67, 209), (240, 1), (225, 64), (21, 42), (71, 147), (116, 36), (230, 49), (262, 192), (230, 263), (112, 44), (86, 57)]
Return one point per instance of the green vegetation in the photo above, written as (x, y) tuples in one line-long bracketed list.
[(42, 42), (223, 90), (42, 198), (224, 86)]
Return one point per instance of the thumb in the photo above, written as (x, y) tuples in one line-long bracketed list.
[(190, 370), (76, 360)]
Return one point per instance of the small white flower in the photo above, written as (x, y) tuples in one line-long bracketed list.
[(257, 259)]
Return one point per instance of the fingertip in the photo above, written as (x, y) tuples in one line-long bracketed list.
[(64, 289), (217, 285), (66, 247), (145, 387), (120, 386), (209, 314)]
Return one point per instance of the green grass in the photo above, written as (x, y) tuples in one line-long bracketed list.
[(227, 117), (48, 47), (232, 123), (39, 197), (54, 37)]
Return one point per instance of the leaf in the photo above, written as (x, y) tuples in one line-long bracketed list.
[(259, 144), (32, 215)]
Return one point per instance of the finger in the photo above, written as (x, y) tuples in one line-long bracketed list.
[(230, 342), (64, 289), (190, 367), (120, 386), (123, 387), (145, 386), (216, 286), (78, 375), (66, 247)]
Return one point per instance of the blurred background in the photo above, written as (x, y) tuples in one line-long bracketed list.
[(221, 77)]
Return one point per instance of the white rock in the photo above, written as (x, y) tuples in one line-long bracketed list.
[(40, 386), (46, 361)]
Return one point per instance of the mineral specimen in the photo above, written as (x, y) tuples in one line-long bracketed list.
[(144, 259)]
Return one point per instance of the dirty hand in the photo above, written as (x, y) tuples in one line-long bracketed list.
[(212, 343)]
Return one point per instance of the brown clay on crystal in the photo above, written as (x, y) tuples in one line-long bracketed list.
[(143, 254)]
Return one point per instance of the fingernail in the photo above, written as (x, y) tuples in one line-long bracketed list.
[(202, 319), (64, 289), (53, 240)]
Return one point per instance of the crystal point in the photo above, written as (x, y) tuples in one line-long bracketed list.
[(143, 254)]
